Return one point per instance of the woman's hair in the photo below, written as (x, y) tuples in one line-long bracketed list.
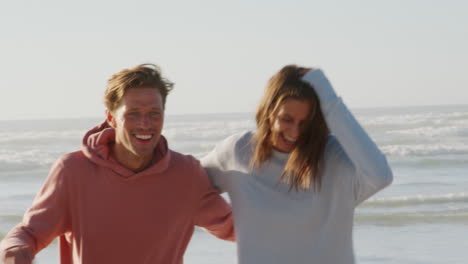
[(141, 76), (304, 166)]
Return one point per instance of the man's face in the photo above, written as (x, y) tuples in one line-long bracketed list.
[(138, 122)]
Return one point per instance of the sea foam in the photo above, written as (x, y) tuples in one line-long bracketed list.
[(401, 201)]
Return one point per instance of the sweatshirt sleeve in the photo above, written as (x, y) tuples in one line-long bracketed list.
[(214, 164), (369, 166), (213, 213), (45, 220)]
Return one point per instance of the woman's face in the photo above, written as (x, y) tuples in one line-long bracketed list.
[(288, 123)]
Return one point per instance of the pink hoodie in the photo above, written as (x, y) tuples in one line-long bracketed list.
[(105, 213)]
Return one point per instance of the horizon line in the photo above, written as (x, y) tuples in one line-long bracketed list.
[(239, 112)]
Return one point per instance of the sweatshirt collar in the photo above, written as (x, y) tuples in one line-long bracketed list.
[(96, 146), (280, 156)]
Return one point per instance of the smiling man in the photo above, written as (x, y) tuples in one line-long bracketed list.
[(125, 197)]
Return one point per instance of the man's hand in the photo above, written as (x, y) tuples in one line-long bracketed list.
[(17, 255)]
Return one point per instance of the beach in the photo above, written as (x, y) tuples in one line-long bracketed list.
[(421, 218)]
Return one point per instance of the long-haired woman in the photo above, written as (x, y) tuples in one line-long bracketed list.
[(296, 180)]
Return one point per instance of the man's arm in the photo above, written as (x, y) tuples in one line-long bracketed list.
[(46, 219), (213, 213)]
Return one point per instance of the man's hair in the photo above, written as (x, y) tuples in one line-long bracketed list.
[(142, 76), (305, 164)]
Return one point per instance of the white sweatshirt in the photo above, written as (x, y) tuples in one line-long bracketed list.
[(275, 225)]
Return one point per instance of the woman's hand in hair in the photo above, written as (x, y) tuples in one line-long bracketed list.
[(322, 86), (304, 71)]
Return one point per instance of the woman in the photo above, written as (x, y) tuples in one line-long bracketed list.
[(294, 183)]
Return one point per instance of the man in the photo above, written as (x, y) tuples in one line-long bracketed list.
[(125, 197)]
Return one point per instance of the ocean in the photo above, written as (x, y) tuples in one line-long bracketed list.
[(421, 218)]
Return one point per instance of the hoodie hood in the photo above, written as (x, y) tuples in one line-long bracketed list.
[(97, 145)]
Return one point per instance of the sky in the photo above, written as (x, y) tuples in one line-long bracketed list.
[(56, 56)]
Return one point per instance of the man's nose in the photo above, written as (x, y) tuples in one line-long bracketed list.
[(145, 121)]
